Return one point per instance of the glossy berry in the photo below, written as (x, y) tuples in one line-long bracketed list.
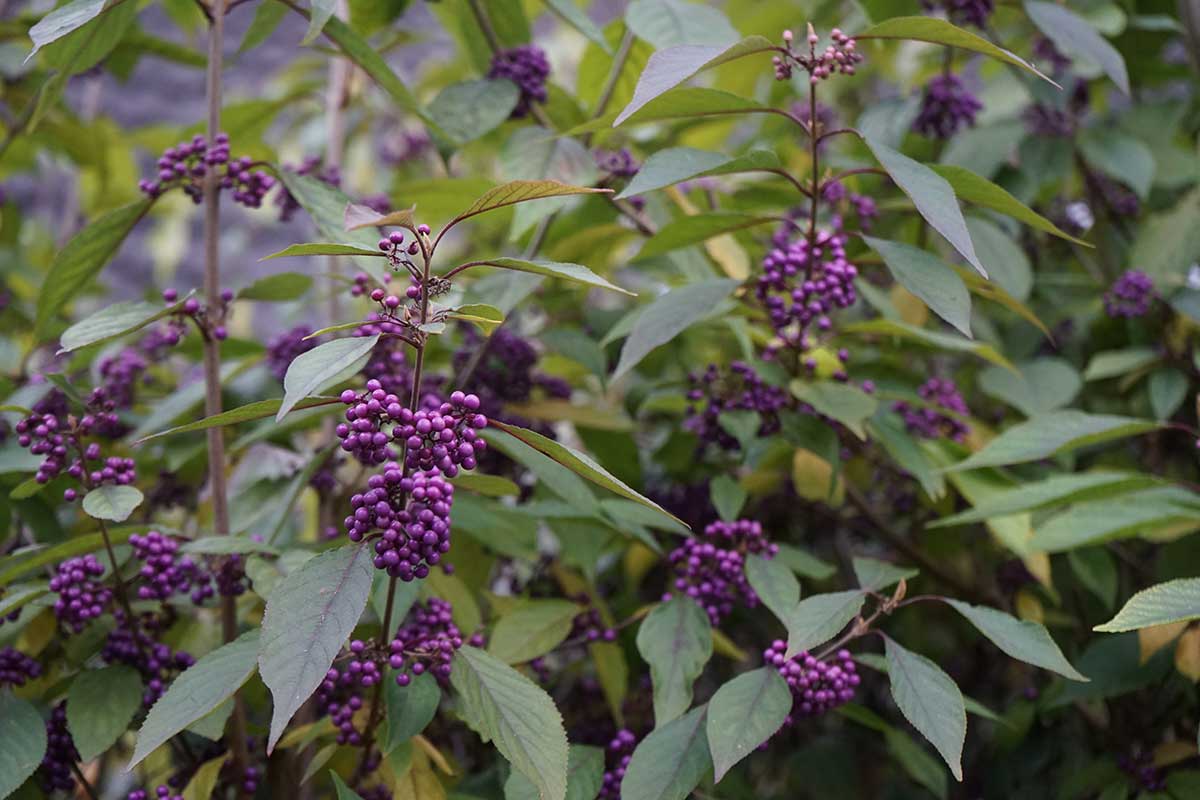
[(710, 568), (526, 66), (412, 514), (817, 685), (136, 646), (617, 755), (442, 436), (55, 773), (425, 643), (164, 572), (82, 597), (617, 163), (16, 668), (947, 106), (930, 422), (714, 393)]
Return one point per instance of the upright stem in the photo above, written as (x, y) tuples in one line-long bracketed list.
[(212, 360), (815, 184)]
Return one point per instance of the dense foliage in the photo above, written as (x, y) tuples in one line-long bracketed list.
[(654, 400)]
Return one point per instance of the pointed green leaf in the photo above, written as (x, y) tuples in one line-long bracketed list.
[(670, 762), (939, 31), (1050, 434), (1055, 490), (576, 273), (24, 735), (259, 409), (1074, 35), (323, 365), (1164, 603), (113, 503), (531, 629), (930, 700), (817, 619), (774, 584), (1022, 639), (668, 316), (100, 705), (697, 228), (409, 709), (471, 109), (675, 164), (112, 321), (929, 278), (585, 776), (513, 192), (743, 714), (325, 249), (669, 23), (875, 575), (675, 639), (975, 189)]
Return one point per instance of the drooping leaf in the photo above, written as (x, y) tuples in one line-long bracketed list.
[(579, 463), (576, 18), (939, 31), (576, 273), (409, 709), (743, 714), (513, 192), (774, 584), (197, 691), (929, 278), (697, 228), (1049, 434), (507, 709), (670, 67), (531, 629), (1055, 490), (1074, 35), (1022, 639), (471, 109), (82, 258), (112, 503), (13, 568), (930, 700), (325, 249), (322, 11), (100, 705), (668, 316), (676, 641), (941, 341), (259, 409), (24, 735), (670, 762), (847, 404), (1161, 604), (322, 365), (818, 618), (975, 189), (1138, 514), (675, 164), (309, 615), (63, 20), (112, 321), (932, 195)]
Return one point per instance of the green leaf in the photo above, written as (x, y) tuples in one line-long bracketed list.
[(19, 596), (221, 545), (513, 192), (1097, 571), (325, 249), (506, 708), (669, 23), (889, 431), (100, 705), (743, 714), (916, 761), (198, 690), (1054, 490), (534, 153), (728, 497), (668, 316), (1167, 242), (82, 258), (113, 503), (675, 164), (1040, 386), (847, 404), (585, 776), (697, 228), (1120, 156), (577, 19), (320, 14), (343, 791), (558, 478), (204, 781), (875, 575), (1005, 260), (326, 206), (1074, 35), (579, 463), (409, 709), (309, 615), (774, 584), (686, 102), (817, 619), (77, 546), (1116, 363), (929, 278), (939, 31), (325, 364), (675, 639), (930, 700), (1049, 434), (531, 629), (62, 20), (576, 273), (1138, 514), (1021, 639), (932, 195), (267, 17), (469, 110), (486, 318), (670, 67), (670, 762), (24, 735), (1168, 389), (281, 287), (259, 409), (112, 321), (1164, 603), (487, 485)]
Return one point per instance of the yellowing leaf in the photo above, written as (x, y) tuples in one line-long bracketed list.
[(1156, 637), (1187, 656)]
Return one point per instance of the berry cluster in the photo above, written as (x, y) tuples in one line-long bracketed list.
[(426, 643), (962, 12), (710, 569), (400, 146), (527, 67), (121, 373), (55, 772), (947, 106), (929, 422), (817, 685), (741, 389), (81, 596), (134, 646), (617, 163), (616, 758), (505, 372), (1140, 767), (800, 285), (1130, 295), (163, 572), (443, 436), (16, 668), (589, 626), (187, 164), (413, 513), (340, 696), (161, 793), (284, 348), (841, 55), (51, 432), (362, 433), (288, 205)]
